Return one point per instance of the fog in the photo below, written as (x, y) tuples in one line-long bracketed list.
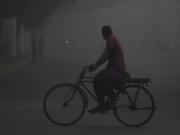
[(148, 30)]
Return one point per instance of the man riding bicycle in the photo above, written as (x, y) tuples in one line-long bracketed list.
[(64, 104), (110, 77)]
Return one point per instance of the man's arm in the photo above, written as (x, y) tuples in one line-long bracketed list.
[(100, 61), (103, 58)]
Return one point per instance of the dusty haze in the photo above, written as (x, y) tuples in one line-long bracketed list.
[(148, 30)]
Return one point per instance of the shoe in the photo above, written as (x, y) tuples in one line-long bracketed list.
[(106, 108), (97, 109)]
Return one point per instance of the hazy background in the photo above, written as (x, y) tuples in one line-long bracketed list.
[(148, 30)]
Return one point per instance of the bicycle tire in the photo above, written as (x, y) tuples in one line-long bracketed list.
[(127, 92), (59, 88)]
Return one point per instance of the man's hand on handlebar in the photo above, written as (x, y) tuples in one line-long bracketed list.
[(92, 67)]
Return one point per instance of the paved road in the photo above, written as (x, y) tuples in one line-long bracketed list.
[(28, 119), (21, 110)]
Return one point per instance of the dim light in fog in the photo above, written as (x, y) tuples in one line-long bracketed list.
[(67, 42)]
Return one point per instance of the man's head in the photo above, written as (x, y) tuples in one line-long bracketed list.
[(106, 31)]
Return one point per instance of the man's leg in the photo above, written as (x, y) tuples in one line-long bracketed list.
[(97, 83), (103, 86)]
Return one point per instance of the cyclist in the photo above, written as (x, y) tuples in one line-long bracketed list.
[(107, 79)]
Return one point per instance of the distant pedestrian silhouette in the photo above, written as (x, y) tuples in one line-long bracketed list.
[(41, 49), (34, 53)]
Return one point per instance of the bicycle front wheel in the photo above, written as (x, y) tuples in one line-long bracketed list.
[(64, 104), (135, 107)]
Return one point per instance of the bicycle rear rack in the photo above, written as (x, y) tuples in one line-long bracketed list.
[(139, 81)]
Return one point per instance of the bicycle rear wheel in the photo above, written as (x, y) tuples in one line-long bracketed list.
[(64, 104), (135, 107)]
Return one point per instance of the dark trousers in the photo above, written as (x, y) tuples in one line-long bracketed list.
[(104, 82)]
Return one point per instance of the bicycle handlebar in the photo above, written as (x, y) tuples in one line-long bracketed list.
[(85, 69)]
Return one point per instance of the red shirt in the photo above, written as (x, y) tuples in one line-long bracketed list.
[(116, 62)]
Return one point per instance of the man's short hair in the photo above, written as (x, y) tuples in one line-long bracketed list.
[(107, 29)]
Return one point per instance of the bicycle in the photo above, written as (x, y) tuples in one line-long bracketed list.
[(64, 104)]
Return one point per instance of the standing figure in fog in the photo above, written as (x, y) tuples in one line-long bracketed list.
[(34, 51), (41, 48), (110, 77)]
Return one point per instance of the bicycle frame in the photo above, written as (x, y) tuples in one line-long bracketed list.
[(86, 79), (80, 83), (80, 88), (82, 79)]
